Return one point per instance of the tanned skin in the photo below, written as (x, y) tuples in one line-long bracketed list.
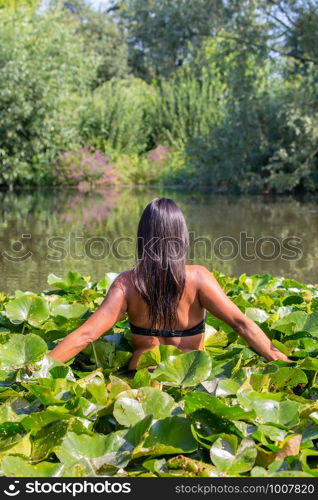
[(202, 292)]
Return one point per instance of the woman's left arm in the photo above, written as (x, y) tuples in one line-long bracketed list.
[(113, 307)]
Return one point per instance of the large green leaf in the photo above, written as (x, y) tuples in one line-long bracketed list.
[(8, 413), (187, 370), (70, 311), (168, 436), (231, 457), (227, 387), (18, 467), (207, 426), (28, 308), (53, 391), (94, 451), (298, 321), (309, 363), (257, 282), (278, 379), (48, 368), (272, 432), (270, 407), (37, 420), (49, 438), (73, 282), (21, 446), (105, 355), (21, 350), (94, 384), (117, 386), (197, 400), (135, 404), (256, 314), (156, 355), (215, 338), (10, 434)]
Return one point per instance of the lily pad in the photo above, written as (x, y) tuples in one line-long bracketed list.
[(187, 369), (197, 400), (231, 457), (73, 282), (21, 350), (28, 308), (135, 404), (168, 436), (70, 311), (19, 467), (155, 356), (270, 407)]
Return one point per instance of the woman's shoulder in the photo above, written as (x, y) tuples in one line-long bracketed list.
[(124, 280), (198, 273)]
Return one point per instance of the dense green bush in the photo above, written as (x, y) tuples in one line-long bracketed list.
[(43, 73), (294, 163), (118, 116), (189, 105), (236, 152), (266, 135)]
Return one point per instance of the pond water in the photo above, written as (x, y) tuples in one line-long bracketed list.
[(53, 231)]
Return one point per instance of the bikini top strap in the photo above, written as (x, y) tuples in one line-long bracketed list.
[(199, 328)]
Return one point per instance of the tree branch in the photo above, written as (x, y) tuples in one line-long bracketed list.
[(270, 48)]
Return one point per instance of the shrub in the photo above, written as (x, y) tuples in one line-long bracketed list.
[(188, 105), (135, 169), (159, 155), (118, 116), (161, 165), (84, 167)]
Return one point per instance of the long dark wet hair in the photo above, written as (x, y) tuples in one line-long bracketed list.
[(159, 274)]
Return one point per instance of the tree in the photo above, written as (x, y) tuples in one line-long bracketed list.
[(102, 36), (14, 6), (162, 34), (43, 72)]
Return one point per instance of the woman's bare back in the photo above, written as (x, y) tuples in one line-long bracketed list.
[(189, 313)]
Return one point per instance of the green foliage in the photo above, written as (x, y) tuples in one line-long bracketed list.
[(218, 412), (231, 90), (29, 308), (189, 105), (12, 7), (186, 369), (294, 162), (133, 405), (107, 40), (43, 73), (21, 350), (162, 35), (117, 115), (232, 458)]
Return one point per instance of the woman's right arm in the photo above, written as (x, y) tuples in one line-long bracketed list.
[(215, 300), (113, 307)]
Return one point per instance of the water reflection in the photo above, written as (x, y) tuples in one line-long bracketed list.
[(88, 208), (68, 229)]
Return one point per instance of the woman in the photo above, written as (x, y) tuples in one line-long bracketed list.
[(165, 299)]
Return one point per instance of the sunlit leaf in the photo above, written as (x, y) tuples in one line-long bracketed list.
[(231, 457)]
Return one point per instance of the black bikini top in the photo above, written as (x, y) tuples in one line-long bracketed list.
[(153, 332)]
